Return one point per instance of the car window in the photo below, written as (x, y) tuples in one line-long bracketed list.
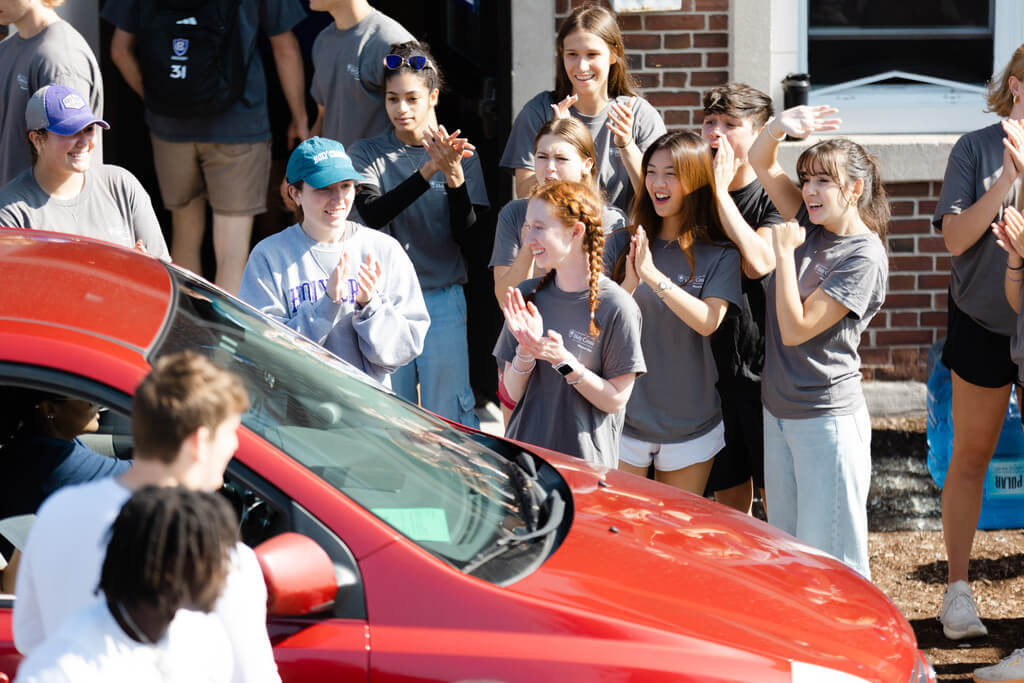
[(432, 483)]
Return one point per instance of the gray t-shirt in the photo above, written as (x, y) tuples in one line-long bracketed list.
[(822, 376), (245, 121), (286, 278), (552, 414), (57, 54), (112, 206), (508, 234), (424, 227), (677, 401), (348, 81), (976, 280), (612, 174)]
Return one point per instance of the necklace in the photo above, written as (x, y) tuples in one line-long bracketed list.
[(134, 630)]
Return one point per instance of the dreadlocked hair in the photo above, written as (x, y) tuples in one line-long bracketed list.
[(576, 203), (169, 548), (692, 160)]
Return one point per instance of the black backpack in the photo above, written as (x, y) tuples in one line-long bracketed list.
[(191, 55)]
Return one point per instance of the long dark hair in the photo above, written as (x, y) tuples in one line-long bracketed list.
[(691, 157)]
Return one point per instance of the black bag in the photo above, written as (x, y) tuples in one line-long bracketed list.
[(191, 55)]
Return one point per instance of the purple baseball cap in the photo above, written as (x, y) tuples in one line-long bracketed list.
[(61, 110)]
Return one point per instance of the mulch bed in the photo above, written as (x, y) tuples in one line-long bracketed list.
[(908, 557)]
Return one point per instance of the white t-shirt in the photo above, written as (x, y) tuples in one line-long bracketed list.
[(60, 571), (92, 647)]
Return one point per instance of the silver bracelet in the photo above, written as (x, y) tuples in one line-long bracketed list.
[(768, 127), (574, 382), (522, 372)]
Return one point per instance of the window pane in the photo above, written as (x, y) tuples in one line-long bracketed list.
[(901, 13), (836, 61), (849, 39)]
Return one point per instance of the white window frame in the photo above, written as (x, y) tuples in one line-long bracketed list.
[(931, 105)]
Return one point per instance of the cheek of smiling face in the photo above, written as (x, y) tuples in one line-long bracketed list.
[(663, 185), (408, 101), (587, 61), (69, 153), (546, 235), (12, 11), (738, 131), (826, 200), (557, 159), (328, 206)]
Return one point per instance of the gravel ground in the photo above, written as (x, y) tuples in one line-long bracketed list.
[(908, 557)]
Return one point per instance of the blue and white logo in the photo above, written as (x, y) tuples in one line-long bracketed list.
[(180, 46)]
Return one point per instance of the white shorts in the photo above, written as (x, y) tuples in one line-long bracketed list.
[(668, 457)]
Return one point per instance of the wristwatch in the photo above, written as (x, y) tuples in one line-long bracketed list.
[(565, 368), (661, 288)]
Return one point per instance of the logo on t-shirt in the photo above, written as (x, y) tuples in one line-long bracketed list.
[(22, 82), (821, 269), (180, 46), (695, 283), (353, 71), (583, 341)]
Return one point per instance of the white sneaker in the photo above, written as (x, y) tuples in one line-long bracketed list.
[(959, 615), (1010, 670)]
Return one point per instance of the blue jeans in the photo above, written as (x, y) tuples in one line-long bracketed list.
[(442, 370), (817, 473)]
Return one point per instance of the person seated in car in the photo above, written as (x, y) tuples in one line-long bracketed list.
[(64, 191), (41, 451)]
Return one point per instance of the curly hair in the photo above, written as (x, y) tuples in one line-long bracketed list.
[(431, 73), (169, 548), (576, 203)]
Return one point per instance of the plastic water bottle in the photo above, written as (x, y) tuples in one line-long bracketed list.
[(1002, 505)]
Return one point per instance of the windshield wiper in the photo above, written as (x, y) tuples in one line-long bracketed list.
[(554, 506), (529, 493)]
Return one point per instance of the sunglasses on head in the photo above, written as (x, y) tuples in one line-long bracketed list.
[(416, 62)]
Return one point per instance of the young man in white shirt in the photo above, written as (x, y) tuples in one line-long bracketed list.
[(185, 417), (166, 565)]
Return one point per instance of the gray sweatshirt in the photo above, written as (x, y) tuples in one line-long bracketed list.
[(286, 278)]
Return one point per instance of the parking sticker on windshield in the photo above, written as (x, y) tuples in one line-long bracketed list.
[(419, 524)]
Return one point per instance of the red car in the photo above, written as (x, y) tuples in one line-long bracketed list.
[(405, 548)]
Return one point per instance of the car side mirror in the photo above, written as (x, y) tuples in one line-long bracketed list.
[(299, 575)]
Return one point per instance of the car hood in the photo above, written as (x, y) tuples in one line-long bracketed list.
[(658, 557)]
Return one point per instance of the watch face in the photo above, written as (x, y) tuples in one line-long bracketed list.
[(564, 370)]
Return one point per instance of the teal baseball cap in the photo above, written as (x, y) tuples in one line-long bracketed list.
[(320, 162)]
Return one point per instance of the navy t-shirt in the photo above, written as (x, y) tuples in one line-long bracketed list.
[(33, 468)]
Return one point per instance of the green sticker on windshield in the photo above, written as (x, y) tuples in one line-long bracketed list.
[(419, 524)]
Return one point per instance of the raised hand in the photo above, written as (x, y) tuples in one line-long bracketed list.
[(1009, 232), (561, 109), (787, 236), (447, 150), (643, 263), (802, 121), (336, 283), (620, 122), (1013, 148), (367, 277), (725, 164)]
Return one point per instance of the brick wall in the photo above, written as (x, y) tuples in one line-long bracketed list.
[(673, 55), (896, 344), (676, 55)]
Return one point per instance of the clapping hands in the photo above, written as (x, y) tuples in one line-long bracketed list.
[(527, 326)]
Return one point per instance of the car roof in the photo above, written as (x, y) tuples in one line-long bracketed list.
[(85, 285)]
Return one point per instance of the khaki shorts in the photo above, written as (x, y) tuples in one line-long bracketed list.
[(233, 177)]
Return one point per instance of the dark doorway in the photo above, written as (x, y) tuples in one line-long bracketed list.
[(470, 38), (472, 41)]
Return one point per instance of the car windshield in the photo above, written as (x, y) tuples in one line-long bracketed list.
[(432, 483)]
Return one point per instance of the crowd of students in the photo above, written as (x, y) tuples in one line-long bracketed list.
[(673, 302)]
